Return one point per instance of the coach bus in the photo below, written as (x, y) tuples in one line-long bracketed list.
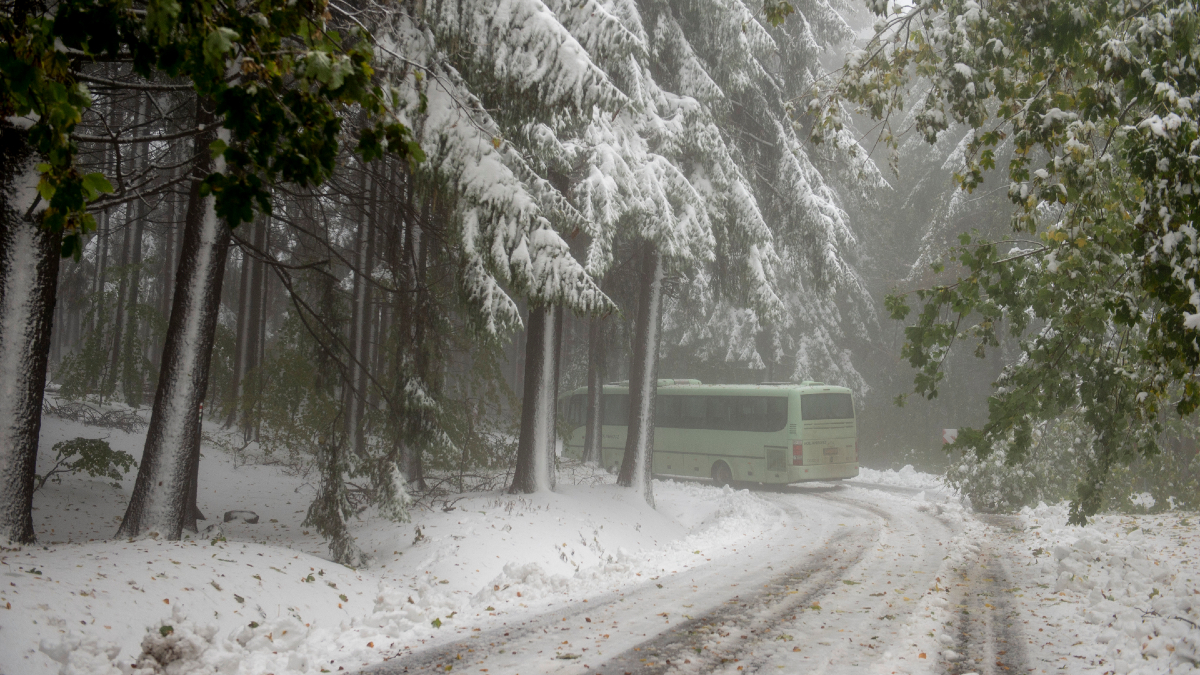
[(761, 433)]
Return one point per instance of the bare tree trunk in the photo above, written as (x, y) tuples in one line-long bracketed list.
[(418, 252), (114, 355), (158, 506), (131, 244), (29, 261), (535, 447), (101, 270), (242, 333), (593, 438), (356, 384), (131, 383), (263, 279), (167, 270), (637, 464), (192, 511)]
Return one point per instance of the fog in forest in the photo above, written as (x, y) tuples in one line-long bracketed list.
[(582, 336)]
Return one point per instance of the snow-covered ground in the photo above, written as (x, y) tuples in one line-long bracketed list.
[(260, 597), (888, 575), (1121, 595)]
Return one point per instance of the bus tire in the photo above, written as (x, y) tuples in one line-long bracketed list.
[(721, 474)]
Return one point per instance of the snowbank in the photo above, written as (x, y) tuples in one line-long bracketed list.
[(907, 477), (1132, 581)]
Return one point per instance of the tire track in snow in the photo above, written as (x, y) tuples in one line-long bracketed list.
[(880, 551), (732, 638), (533, 644), (989, 642), (716, 638)]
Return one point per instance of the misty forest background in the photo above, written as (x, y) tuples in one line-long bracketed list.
[(356, 309)]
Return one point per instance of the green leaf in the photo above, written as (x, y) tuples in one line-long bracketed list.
[(436, 623), (219, 41), (777, 11), (217, 148), (45, 188), (96, 184), (166, 630)]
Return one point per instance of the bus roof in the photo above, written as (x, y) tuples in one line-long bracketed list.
[(696, 388)]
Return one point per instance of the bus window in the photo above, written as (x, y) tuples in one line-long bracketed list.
[(693, 412), (764, 413), (616, 410), (743, 413), (576, 412), (826, 407), (758, 413), (666, 411)]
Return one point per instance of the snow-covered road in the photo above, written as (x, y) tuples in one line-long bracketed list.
[(856, 580), (888, 574)]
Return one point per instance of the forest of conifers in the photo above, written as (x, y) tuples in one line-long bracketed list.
[(382, 237), (512, 198)]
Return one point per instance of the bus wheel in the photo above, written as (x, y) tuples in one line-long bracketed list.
[(721, 475)]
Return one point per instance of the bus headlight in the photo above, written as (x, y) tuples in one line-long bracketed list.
[(797, 454)]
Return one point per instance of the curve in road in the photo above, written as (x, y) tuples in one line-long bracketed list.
[(852, 581)]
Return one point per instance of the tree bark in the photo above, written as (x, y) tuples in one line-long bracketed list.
[(29, 260), (101, 271), (535, 447), (356, 381), (262, 280), (131, 253), (159, 506), (242, 336), (421, 306), (593, 438), (114, 356), (131, 382), (637, 464)]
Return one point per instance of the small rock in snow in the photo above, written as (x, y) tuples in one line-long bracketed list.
[(246, 516)]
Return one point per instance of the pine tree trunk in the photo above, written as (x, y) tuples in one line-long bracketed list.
[(535, 447), (356, 385), (158, 506), (637, 464), (114, 356), (258, 331), (131, 382), (419, 246), (242, 335), (29, 261), (593, 439), (167, 270), (101, 270), (124, 322), (192, 510)]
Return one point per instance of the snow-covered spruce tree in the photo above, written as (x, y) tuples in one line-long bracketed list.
[(659, 175), (711, 104), (520, 63), (795, 197)]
